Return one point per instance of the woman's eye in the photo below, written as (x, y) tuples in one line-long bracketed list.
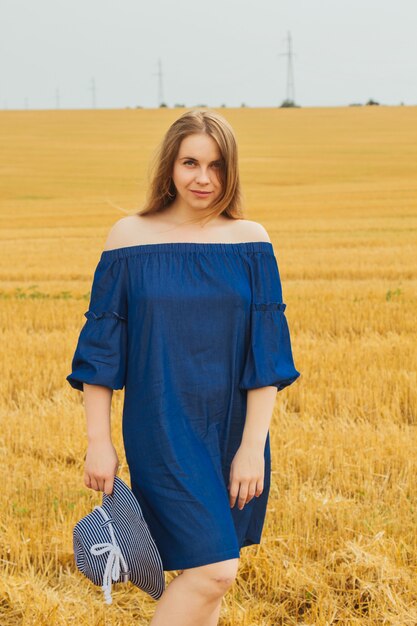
[(217, 165)]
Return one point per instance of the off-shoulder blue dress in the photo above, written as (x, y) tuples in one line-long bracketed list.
[(186, 329)]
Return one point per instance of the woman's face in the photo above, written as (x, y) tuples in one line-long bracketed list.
[(197, 168)]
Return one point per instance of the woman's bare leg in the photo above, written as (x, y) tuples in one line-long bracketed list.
[(194, 597), (213, 619)]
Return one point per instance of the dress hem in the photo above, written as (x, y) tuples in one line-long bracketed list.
[(220, 556), (250, 542)]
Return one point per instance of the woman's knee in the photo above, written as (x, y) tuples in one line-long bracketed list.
[(214, 579)]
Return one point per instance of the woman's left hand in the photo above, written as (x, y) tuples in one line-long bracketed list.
[(246, 475)]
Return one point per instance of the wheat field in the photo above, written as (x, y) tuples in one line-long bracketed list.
[(336, 188)]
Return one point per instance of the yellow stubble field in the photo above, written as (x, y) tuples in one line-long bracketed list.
[(336, 188)]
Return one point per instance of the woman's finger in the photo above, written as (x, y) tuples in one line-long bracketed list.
[(108, 486), (233, 492), (259, 487), (243, 494), (251, 491)]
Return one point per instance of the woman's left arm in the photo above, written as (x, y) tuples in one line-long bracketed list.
[(248, 465)]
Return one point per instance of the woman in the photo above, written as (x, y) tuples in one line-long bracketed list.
[(186, 314)]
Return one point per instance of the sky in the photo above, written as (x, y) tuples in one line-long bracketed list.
[(82, 54)]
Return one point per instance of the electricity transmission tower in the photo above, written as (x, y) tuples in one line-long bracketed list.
[(93, 92), (160, 83), (290, 99)]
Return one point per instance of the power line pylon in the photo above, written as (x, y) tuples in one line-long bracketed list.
[(290, 99)]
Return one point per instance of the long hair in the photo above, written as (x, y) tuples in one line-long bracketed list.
[(161, 191)]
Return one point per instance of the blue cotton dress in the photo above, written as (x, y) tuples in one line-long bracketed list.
[(186, 329)]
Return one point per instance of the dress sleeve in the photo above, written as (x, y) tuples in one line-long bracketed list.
[(269, 359), (101, 353)]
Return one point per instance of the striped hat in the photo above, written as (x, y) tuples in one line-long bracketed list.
[(113, 542)]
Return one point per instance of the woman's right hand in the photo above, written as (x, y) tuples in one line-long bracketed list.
[(101, 465)]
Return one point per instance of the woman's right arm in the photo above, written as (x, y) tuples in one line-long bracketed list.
[(101, 462), (99, 364)]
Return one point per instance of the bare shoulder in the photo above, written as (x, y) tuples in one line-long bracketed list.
[(253, 231), (122, 233)]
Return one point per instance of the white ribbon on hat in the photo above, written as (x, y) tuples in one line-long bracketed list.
[(112, 569)]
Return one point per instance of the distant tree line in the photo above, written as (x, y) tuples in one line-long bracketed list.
[(284, 104)]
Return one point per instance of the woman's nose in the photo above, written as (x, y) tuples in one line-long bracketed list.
[(202, 176)]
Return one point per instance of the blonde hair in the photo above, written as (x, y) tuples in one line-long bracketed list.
[(162, 192)]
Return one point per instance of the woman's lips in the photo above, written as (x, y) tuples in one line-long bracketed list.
[(201, 194)]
